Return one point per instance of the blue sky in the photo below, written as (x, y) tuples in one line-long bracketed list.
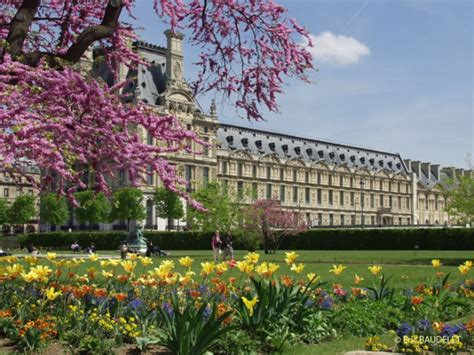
[(392, 75)]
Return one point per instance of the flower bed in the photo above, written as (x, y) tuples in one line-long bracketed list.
[(236, 305)]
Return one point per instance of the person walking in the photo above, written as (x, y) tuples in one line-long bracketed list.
[(228, 250), (216, 245)]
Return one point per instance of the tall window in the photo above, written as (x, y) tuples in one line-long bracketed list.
[(188, 175), (225, 186), (6, 192), (224, 168), (307, 196), (390, 201), (149, 139), (341, 198), (319, 178), (408, 203), (205, 148), (352, 182), (320, 198), (320, 219), (205, 176), (282, 174), (254, 171), (372, 200), (399, 203), (269, 172), (149, 176), (282, 193), (342, 220), (240, 189), (330, 180), (381, 200), (240, 169), (372, 220), (341, 180), (269, 191), (295, 175), (254, 190), (330, 197), (426, 202), (352, 198), (295, 194), (436, 204), (331, 219), (381, 185), (306, 177), (353, 219)]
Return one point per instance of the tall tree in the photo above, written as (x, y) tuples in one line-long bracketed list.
[(22, 210), (168, 205), (60, 120), (221, 210), (3, 210), (460, 198), (53, 209), (273, 223), (92, 208), (127, 204)]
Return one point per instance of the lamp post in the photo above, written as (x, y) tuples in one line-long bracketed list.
[(362, 184)]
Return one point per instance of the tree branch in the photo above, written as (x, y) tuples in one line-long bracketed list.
[(94, 33), (20, 25)]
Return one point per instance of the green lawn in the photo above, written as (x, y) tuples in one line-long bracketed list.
[(406, 269)]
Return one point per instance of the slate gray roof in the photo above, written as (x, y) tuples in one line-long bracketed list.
[(257, 142)]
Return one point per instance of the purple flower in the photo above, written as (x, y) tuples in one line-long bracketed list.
[(423, 325), (326, 304), (168, 308), (207, 313), (137, 305), (404, 329)]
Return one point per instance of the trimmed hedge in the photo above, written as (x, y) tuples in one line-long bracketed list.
[(382, 239), (315, 239)]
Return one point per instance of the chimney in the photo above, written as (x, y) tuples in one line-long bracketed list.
[(435, 170), (416, 166), (174, 55), (408, 164), (426, 168), (448, 171), (213, 110)]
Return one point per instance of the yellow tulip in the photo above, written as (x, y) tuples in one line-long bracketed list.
[(468, 263), (145, 260), (93, 257), (312, 277), (252, 258), (207, 268), (250, 304), (221, 267), (52, 295), (337, 269), (436, 263), (375, 269), (28, 277), (358, 279), (291, 257), (186, 261), (107, 274), (51, 256), (245, 266), (266, 269), (32, 260), (14, 270), (463, 269), (297, 268), (129, 266), (166, 266)]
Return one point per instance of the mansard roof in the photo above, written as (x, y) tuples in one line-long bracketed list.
[(258, 142)]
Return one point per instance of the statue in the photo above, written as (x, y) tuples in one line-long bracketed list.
[(136, 240)]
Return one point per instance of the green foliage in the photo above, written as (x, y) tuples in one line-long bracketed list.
[(3, 210), (53, 209), (168, 205), (188, 330), (93, 207), (238, 342), (382, 239), (460, 194), (22, 210), (127, 204), (382, 292), (221, 210), (366, 318), (316, 327)]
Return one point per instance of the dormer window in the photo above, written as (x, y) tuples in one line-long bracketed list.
[(399, 166), (230, 139), (331, 155), (298, 150), (284, 147), (272, 146), (390, 164), (381, 163), (258, 144), (245, 142), (353, 158), (309, 151), (362, 160), (342, 157), (372, 161), (321, 153)]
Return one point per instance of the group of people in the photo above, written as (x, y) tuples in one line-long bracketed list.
[(222, 245), (76, 248), (151, 250)]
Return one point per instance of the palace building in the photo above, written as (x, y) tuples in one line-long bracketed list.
[(331, 184)]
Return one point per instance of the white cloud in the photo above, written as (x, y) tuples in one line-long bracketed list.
[(337, 49)]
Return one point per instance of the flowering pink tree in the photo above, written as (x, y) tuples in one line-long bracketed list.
[(274, 223), (68, 124)]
